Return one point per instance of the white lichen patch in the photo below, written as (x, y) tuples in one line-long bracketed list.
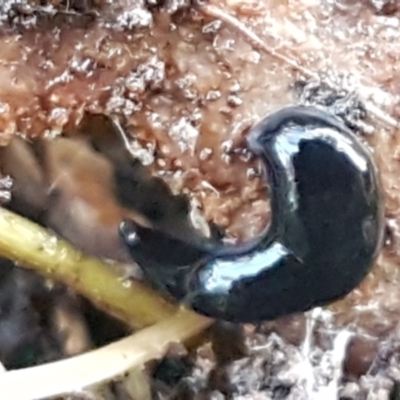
[(311, 371), (135, 16), (184, 134)]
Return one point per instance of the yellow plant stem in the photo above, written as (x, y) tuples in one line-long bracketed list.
[(33, 247)]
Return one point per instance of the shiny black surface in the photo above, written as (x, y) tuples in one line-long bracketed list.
[(326, 227)]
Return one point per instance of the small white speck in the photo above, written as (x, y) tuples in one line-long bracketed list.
[(213, 95), (234, 101), (213, 27)]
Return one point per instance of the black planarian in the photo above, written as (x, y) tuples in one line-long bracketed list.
[(325, 231)]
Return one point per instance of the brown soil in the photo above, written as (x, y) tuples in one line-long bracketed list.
[(188, 87)]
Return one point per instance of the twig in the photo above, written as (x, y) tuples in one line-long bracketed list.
[(33, 247), (257, 42), (99, 366)]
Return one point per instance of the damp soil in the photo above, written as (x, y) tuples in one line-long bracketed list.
[(187, 86)]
